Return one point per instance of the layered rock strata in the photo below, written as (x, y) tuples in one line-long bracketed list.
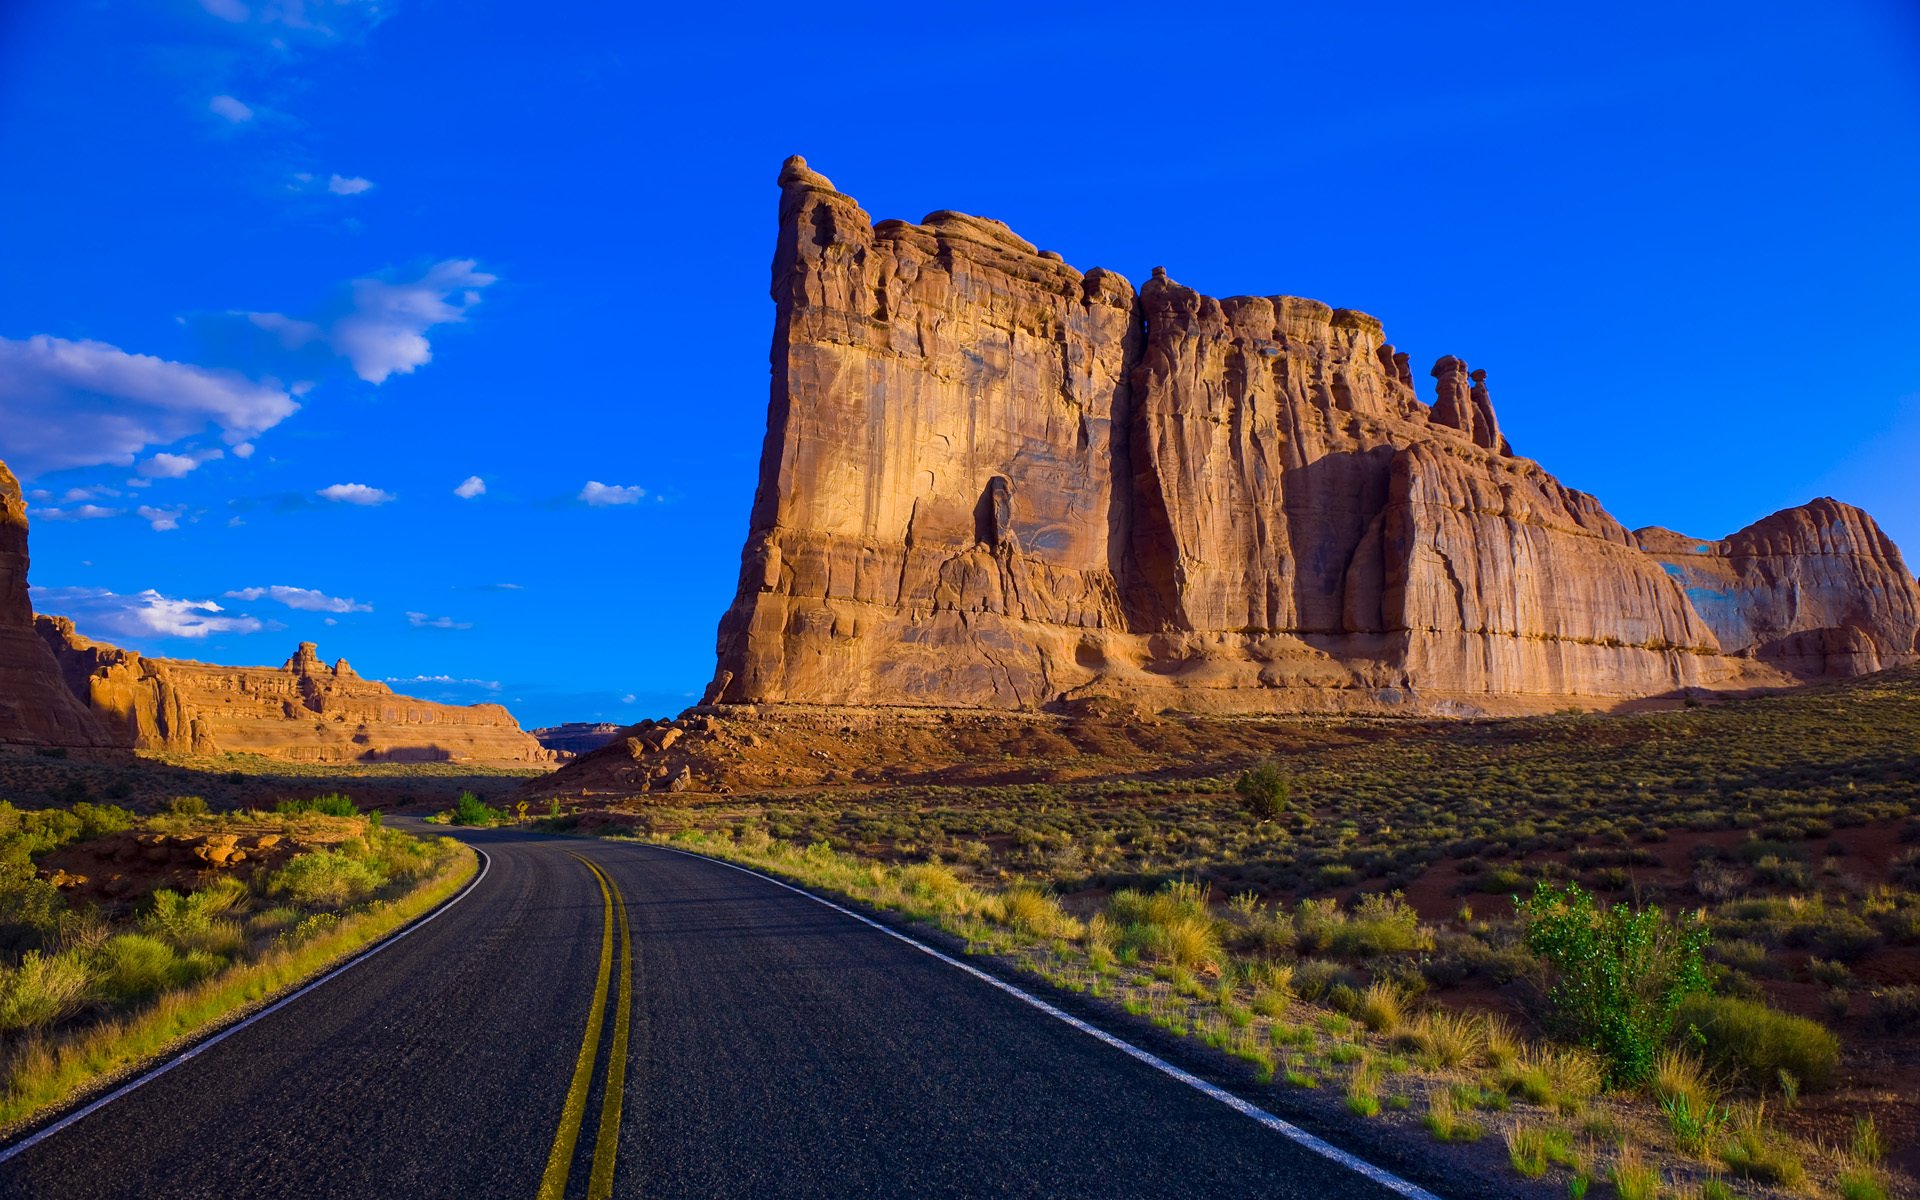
[(36, 709), (302, 711), (991, 480)]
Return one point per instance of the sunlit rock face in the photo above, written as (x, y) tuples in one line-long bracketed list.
[(1818, 590), (990, 480), (302, 711), (36, 709)]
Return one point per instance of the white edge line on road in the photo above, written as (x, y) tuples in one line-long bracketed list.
[(28, 1143), (1294, 1133)]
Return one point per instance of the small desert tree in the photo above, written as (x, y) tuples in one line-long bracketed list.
[(1266, 789), (1620, 973)]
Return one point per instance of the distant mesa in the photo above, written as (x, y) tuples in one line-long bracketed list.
[(576, 737), (58, 688), (993, 481)]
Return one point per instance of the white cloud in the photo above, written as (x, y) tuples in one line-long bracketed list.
[(492, 685), (83, 404), (173, 466), (85, 512), (355, 493), (600, 495), (348, 185), (383, 331), (162, 519), (305, 599), (421, 620), (321, 20), (473, 486), (227, 108), (243, 450), (145, 614)]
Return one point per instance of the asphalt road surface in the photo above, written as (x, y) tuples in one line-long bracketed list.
[(760, 1044)]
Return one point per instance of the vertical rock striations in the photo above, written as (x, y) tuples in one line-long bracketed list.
[(990, 480)]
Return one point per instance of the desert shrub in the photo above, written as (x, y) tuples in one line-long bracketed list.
[(331, 805), (42, 989), (1755, 1043), (187, 806), (1176, 898), (469, 809), (1895, 1009), (326, 879), (133, 966), (1620, 972), (1267, 790)]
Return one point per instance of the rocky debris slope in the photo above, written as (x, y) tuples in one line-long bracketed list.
[(1817, 590), (36, 709), (992, 481), (302, 711)]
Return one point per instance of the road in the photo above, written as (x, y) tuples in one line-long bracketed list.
[(773, 1047)]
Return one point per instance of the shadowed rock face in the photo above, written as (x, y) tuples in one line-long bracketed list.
[(990, 480), (302, 711), (1817, 590), (35, 708)]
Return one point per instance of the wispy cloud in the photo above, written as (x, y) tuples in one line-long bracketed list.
[(348, 185), (492, 685), (229, 109), (420, 620), (355, 493), (84, 512), (601, 495), (305, 599), (143, 614), (78, 404), (471, 487), (381, 330), (321, 20)]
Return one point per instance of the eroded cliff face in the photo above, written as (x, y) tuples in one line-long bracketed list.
[(302, 711), (990, 480), (1817, 590), (35, 708)]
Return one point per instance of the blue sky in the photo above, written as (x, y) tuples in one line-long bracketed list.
[(282, 275)]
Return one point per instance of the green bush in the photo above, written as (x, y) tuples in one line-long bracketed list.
[(1620, 973), (1267, 790), (1756, 1043), (326, 879), (331, 805), (469, 809), (187, 806)]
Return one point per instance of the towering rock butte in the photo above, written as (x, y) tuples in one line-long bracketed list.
[(302, 711), (991, 480), (36, 709)]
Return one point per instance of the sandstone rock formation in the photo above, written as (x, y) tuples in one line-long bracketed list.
[(302, 711), (1816, 590), (35, 708), (990, 480)]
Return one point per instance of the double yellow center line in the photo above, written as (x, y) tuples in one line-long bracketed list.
[(606, 1142)]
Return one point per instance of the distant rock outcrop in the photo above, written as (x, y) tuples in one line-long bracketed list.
[(990, 480), (302, 711), (1816, 590), (35, 708), (576, 737)]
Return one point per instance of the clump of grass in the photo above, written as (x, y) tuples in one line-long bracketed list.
[(1363, 1094), (42, 989), (1527, 1149), (1562, 1079), (1380, 1007), (1446, 1122), (1753, 1151), (1630, 1175), (1032, 911), (1446, 1039), (1378, 924)]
